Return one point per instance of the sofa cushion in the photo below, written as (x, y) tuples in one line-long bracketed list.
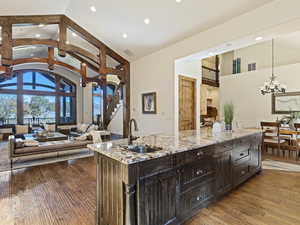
[(53, 146), (22, 129)]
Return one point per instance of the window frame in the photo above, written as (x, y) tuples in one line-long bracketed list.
[(20, 92)]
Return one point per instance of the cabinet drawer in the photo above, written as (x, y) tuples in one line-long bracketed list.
[(193, 155), (194, 173), (154, 166), (224, 147), (241, 154), (241, 173), (197, 197)]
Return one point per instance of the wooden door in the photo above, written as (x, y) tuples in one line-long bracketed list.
[(187, 103)]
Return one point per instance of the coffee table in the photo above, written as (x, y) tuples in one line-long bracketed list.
[(55, 136)]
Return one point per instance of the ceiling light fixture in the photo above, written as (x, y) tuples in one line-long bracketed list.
[(74, 35), (93, 8), (124, 36), (258, 38), (178, 1), (37, 35), (147, 21), (272, 86)]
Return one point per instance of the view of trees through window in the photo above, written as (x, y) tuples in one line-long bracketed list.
[(40, 108), (35, 97), (8, 109)]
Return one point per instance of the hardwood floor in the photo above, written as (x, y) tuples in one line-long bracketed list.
[(64, 194)]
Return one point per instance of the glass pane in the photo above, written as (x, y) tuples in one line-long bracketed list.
[(67, 109), (66, 87), (97, 104), (97, 90), (9, 83), (39, 109), (37, 81), (97, 108), (8, 109), (110, 89)]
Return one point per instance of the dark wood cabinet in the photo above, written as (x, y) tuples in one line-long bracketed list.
[(157, 199), (173, 188), (223, 166)]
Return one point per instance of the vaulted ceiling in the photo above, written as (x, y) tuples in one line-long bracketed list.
[(169, 21)]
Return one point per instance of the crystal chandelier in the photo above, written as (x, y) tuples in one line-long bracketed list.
[(273, 86)]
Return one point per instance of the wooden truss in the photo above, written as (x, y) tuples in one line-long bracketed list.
[(97, 63)]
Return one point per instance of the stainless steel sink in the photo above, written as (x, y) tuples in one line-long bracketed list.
[(141, 148)]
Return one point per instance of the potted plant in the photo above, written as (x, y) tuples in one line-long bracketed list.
[(228, 115)]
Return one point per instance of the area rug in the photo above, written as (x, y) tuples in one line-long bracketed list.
[(277, 165)]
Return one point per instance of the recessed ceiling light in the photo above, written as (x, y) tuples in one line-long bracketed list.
[(147, 21), (124, 36), (74, 35), (93, 8), (41, 25), (178, 1), (258, 38), (37, 35)]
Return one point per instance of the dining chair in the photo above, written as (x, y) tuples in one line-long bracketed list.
[(271, 136), (297, 140)]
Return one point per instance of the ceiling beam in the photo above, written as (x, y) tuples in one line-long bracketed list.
[(36, 19), (6, 50), (62, 38), (90, 65), (93, 40), (34, 41), (51, 59), (44, 60)]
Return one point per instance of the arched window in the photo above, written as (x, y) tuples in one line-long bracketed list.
[(36, 97)]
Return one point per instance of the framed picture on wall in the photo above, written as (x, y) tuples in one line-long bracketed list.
[(286, 103), (149, 103)]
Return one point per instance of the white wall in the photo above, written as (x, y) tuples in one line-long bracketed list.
[(243, 90), (155, 72), (286, 51)]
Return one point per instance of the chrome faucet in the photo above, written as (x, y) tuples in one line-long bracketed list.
[(130, 137)]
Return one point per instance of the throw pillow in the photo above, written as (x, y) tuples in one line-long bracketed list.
[(22, 129), (92, 127), (96, 136), (82, 137), (50, 127)]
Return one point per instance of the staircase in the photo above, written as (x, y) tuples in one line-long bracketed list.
[(114, 102)]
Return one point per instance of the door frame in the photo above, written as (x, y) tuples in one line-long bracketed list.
[(180, 78)]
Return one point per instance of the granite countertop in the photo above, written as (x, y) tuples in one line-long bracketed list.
[(170, 144)]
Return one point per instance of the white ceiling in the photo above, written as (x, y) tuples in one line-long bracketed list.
[(170, 21)]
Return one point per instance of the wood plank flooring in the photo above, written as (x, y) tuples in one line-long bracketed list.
[(64, 194)]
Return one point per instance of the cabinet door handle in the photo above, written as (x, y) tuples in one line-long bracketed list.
[(199, 172), (200, 153)]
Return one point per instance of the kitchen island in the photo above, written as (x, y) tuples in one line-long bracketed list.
[(191, 170)]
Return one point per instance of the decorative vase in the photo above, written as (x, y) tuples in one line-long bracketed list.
[(228, 127)]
